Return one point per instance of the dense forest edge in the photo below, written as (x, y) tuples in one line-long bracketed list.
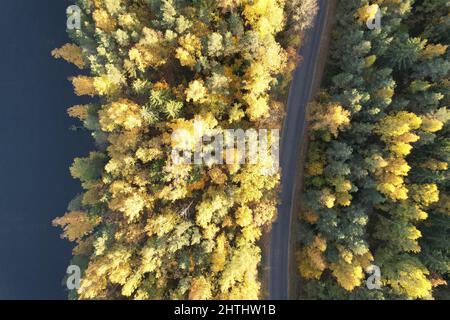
[(376, 189)]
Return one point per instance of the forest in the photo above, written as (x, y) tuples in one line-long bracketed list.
[(375, 192), (376, 189), (146, 227)]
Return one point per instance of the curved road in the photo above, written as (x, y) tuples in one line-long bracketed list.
[(292, 138)]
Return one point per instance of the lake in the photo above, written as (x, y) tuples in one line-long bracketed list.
[(37, 149)]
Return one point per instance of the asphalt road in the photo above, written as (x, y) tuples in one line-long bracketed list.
[(292, 138)]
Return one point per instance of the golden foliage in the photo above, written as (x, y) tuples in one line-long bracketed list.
[(331, 116), (122, 113), (434, 50), (76, 225), (349, 269), (78, 111), (367, 12), (200, 289), (104, 21), (310, 258), (71, 53), (84, 86)]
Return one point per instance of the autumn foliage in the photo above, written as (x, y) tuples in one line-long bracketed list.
[(150, 228), (376, 187)]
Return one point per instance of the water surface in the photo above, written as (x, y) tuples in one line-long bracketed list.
[(36, 149)]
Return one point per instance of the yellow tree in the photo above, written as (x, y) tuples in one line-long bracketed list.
[(71, 53), (331, 116), (76, 225), (220, 254), (200, 289), (311, 261), (84, 85), (349, 269), (122, 113), (367, 12), (265, 16), (151, 50), (104, 21)]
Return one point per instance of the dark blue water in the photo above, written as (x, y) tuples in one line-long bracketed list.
[(36, 149)]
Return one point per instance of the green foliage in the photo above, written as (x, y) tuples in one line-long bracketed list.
[(88, 169), (380, 185)]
